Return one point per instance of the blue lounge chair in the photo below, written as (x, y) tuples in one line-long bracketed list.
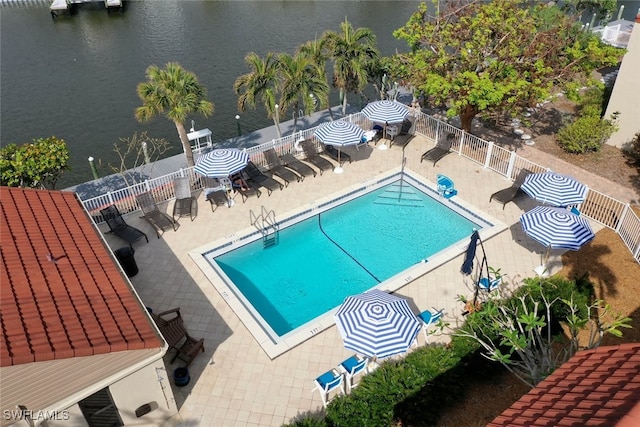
[(428, 318), (446, 187), (352, 367), (327, 382)]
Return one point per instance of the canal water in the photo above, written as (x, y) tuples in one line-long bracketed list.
[(75, 77)]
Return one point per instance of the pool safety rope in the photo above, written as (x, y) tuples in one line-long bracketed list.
[(346, 253)]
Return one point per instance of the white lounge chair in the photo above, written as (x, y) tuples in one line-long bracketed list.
[(428, 318), (351, 368), (326, 383)]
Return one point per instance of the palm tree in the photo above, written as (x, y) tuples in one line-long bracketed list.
[(176, 93), (300, 79), (351, 51), (260, 83), (316, 51)]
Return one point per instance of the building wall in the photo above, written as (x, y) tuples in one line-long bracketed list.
[(624, 98), (149, 385)]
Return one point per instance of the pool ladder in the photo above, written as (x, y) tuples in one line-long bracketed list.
[(266, 224)]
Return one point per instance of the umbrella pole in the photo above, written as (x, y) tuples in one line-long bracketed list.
[(339, 168), (383, 146)]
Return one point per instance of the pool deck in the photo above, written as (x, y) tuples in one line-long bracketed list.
[(234, 383)]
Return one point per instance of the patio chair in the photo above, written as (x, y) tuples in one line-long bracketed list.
[(404, 132), (277, 167), (429, 318), (158, 219), (509, 194), (333, 153), (446, 187), (441, 149), (301, 168), (262, 179), (217, 197), (326, 383), (119, 227), (185, 204), (171, 326), (312, 156), (351, 368), (245, 193), (489, 284)]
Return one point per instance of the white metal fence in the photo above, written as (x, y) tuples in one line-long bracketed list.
[(597, 206)]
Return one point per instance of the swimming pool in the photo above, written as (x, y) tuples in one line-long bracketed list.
[(380, 234)]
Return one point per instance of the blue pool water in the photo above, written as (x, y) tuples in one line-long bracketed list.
[(342, 251)]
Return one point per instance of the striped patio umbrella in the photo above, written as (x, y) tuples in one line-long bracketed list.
[(339, 133), (221, 163), (385, 111), (556, 228), (377, 324), (554, 189)]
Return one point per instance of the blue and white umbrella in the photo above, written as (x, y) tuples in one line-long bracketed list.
[(339, 133), (385, 111), (556, 228), (554, 189), (222, 162), (377, 324)]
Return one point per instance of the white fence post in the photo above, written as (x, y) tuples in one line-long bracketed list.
[(512, 161), (487, 160), (621, 220)]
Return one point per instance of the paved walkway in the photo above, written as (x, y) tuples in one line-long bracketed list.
[(234, 383)]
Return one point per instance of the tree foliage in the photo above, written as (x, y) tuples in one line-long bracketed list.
[(495, 58), (518, 331), (259, 84), (38, 164), (301, 84), (175, 93), (136, 154), (352, 51)]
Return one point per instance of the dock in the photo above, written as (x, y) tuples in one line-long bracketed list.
[(62, 6)]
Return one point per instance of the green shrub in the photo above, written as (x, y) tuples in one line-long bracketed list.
[(396, 389), (586, 134)]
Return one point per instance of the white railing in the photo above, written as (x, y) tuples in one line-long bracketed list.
[(599, 207)]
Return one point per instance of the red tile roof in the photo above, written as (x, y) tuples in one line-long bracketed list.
[(61, 292), (599, 387)]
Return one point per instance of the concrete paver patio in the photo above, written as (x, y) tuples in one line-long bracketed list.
[(234, 383)]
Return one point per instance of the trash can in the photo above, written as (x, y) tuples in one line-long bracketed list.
[(127, 261), (181, 377)]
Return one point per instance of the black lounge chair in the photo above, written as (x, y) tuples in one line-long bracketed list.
[(215, 194), (301, 168), (404, 133), (509, 194), (185, 204), (441, 149), (262, 179), (277, 167), (245, 193), (158, 219), (119, 227), (312, 156), (337, 154)]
